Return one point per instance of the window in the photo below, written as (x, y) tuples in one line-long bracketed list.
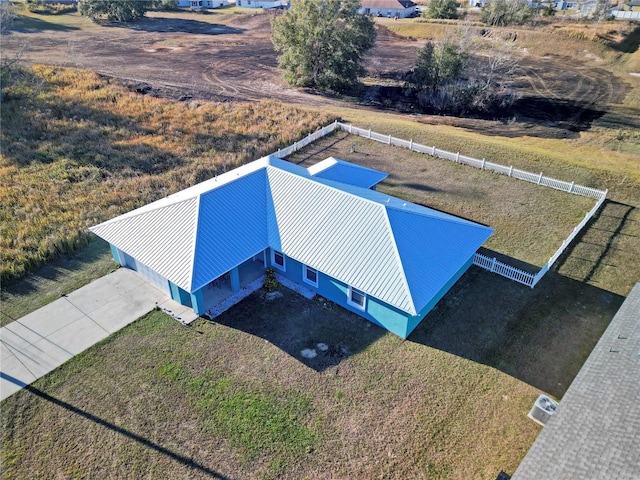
[(310, 275), (356, 298), (277, 259)]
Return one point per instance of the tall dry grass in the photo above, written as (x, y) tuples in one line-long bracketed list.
[(77, 150)]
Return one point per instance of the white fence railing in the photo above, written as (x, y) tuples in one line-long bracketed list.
[(312, 137), (495, 266), (491, 264), (626, 15)]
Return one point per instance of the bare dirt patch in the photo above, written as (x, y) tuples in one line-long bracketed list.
[(225, 56)]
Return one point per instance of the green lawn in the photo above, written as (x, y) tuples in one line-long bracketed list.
[(234, 399)]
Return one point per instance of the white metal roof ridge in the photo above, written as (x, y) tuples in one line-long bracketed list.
[(414, 309), (194, 246)]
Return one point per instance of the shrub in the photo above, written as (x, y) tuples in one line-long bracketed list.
[(271, 283)]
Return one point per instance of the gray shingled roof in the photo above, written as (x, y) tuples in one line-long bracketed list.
[(595, 432)]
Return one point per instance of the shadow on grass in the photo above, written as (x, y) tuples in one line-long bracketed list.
[(592, 248), (24, 24), (168, 25), (58, 268), (293, 324), (187, 461), (630, 43), (540, 336)]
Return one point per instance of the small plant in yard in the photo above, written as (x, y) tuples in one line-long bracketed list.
[(271, 283)]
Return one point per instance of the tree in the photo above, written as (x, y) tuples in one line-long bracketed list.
[(602, 10), (437, 65), (442, 9), (114, 10), (462, 74), (322, 43), (501, 13)]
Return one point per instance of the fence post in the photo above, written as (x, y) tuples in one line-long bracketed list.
[(389, 142), (433, 151), (369, 133), (510, 170), (483, 162), (458, 157), (411, 144), (493, 264), (540, 178), (571, 187), (349, 128)]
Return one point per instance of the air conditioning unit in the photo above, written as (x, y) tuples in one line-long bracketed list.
[(542, 409)]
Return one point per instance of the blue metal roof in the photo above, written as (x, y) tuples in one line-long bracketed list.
[(232, 226), (348, 173), (396, 251)]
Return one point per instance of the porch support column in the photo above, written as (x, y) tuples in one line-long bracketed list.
[(197, 302), (235, 279), (115, 253)]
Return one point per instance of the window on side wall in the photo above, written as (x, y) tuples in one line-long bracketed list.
[(356, 298), (310, 275), (277, 260)]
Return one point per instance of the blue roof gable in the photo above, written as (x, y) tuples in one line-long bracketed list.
[(433, 248), (232, 226), (348, 173)]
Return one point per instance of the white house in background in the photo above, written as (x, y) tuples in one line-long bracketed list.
[(262, 3), (388, 8), (202, 3)]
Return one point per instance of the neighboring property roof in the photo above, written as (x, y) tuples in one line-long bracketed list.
[(345, 172), (398, 252), (397, 4), (595, 431)]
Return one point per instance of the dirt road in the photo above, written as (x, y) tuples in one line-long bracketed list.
[(184, 57)]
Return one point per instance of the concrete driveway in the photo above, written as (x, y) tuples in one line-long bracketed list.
[(37, 343)]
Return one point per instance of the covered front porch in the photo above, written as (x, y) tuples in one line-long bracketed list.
[(226, 290)]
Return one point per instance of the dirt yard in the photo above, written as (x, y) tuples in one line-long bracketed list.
[(228, 55)]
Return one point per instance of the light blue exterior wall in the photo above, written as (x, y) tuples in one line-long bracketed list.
[(376, 311), (115, 254), (197, 302), (179, 295)]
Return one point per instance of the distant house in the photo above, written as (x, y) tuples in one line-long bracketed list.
[(263, 3), (387, 260), (196, 4), (388, 8)]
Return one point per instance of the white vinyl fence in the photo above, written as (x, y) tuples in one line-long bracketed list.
[(626, 15), (491, 264)]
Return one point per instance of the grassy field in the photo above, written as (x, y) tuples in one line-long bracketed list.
[(162, 400), (78, 150)]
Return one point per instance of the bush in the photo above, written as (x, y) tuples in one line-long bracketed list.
[(41, 8), (447, 9), (500, 13), (270, 284)]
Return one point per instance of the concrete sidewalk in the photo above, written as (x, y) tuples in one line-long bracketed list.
[(37, 343)]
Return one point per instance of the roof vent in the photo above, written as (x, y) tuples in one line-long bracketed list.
[(543, 409)]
